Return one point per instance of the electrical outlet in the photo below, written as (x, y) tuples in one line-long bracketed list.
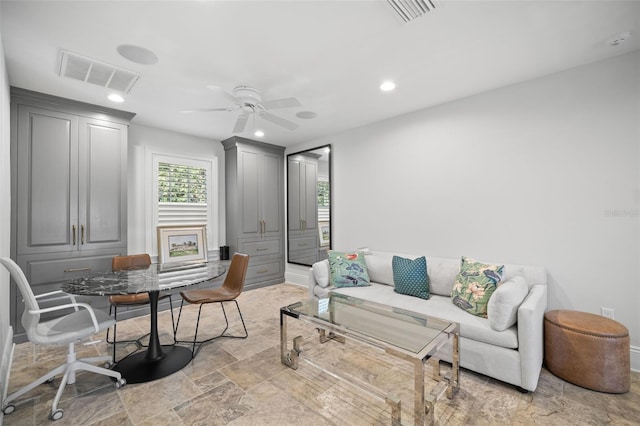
[(607, 312)]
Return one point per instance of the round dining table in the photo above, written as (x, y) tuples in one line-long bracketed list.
[(158, 360)]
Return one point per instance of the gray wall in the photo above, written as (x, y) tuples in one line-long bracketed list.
[(545, 172)]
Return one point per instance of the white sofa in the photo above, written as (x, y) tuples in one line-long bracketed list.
[(514, 355)]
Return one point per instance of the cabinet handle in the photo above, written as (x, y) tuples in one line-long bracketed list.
[(81, 234), (74, 235), (262, 271), (300, 225), (302, 244), (77, 269), (304, 224), (262, 249)]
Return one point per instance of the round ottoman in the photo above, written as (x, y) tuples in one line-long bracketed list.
[(588, 350)]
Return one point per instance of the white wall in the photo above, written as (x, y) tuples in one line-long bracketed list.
[(544, 172), (5, 194), (140, 139)]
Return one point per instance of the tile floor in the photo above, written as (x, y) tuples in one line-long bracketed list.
[(242, 382)]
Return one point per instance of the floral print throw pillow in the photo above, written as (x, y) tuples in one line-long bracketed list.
[(348, 269), (474, 285)]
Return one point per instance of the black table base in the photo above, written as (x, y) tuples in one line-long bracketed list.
[(137, 368)]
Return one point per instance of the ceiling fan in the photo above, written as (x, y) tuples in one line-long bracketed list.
[(249, 102)]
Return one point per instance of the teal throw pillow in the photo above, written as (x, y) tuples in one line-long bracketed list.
[(474, 285), (410, 276), (348, 269)]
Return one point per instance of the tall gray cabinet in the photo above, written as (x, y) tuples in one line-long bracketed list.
[(302, 202), (255, 207), (69, 190)]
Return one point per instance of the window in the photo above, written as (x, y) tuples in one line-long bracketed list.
[(183, 192)]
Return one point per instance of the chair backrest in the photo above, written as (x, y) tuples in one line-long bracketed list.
[(132, 261), (234, 281), (29, 319)]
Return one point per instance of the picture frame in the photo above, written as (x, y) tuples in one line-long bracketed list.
[(324, 232), (182, 244)]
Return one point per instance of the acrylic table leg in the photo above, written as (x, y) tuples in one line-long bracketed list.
[(418, 405), (455, 366)]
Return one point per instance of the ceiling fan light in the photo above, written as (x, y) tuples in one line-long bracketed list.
[(387, 86), (114, 97)]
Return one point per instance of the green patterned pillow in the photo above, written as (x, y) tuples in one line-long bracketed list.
[(348, 269), (410, 276), (474, 285)]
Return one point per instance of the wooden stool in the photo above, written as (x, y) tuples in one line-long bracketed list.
[(588, 350)]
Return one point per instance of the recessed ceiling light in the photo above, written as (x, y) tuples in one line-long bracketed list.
[(137, 54), (114, 97), (258, 133), (387, 86)]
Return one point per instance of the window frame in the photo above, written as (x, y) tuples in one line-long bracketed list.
[(210, 164)]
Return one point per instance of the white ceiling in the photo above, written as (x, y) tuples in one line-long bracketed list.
[(331, 55)]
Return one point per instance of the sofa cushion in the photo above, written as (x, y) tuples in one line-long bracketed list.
[(321, 272), (442, 274), (410, 276), (474, 285), (505, 301), (348, 269), (471, 326)]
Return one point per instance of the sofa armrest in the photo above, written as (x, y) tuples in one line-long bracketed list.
[(531, 335)]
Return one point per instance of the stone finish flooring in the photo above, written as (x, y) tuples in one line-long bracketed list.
[(242, 382)]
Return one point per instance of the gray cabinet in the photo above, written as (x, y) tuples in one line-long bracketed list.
[(255, 207), (69, 198), (302, 208)]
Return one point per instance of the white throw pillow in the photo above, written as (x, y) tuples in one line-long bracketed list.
[(502, 309), (321, 272)]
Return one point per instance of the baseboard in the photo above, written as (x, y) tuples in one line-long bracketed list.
[(635, 358), (295, 278)]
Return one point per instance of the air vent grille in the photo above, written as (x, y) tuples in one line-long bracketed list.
[(95, 72), (409, 10)]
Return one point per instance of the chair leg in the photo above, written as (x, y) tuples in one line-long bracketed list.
[(195, 336), (195, 341), (115, 317), (175, 330), (246, 333), (173, 325)]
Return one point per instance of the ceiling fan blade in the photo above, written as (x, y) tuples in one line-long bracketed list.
[(241, 123), (282, 103), (279, 121), (228, 96), (206, 109)]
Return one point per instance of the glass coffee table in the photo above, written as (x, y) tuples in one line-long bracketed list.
[(407, 335)]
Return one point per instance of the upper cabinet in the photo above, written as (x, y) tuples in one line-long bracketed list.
[(71, 182)]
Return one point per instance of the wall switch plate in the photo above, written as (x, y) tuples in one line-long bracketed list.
[(607, 312)]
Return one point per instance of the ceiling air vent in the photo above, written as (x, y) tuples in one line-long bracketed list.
[(95, 72), (409, 10)]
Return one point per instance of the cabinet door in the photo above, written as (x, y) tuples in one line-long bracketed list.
[(249, 186), (294, 184), (102, 209), (271, 193), (47, 181)]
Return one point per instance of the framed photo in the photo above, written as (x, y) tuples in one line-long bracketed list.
[(324, 231), (184, 244)]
